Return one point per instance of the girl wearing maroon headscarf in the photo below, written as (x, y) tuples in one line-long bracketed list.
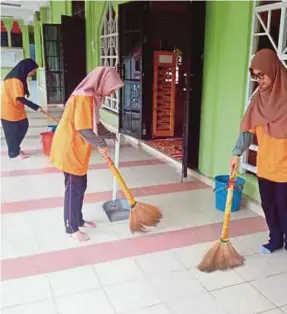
[(266, 117)]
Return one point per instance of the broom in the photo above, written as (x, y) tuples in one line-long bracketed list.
[(141, 215), (222, 255), (49, 116)]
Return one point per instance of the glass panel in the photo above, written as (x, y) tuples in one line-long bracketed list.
[(4, 39), (16, 40)]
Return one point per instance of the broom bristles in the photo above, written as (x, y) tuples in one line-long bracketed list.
[(144, 215), (221, 256)]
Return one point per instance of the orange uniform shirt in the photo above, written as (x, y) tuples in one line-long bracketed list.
[(271, 157), (70, 152), (11, 109)]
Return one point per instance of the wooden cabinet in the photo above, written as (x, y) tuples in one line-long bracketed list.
[(164, 93)]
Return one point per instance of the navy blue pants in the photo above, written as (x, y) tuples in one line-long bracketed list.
[(274, 204), (14, 132), (75, 188)]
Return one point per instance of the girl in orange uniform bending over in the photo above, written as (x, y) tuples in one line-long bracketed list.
[(78, 131), (267, 118), (13, 115)]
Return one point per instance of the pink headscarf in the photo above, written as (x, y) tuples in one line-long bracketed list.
[(99, 83)]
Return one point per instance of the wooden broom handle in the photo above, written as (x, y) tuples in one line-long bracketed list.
[(120, 181), (228, 206), (49, 116)]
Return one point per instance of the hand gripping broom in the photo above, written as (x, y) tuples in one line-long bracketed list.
[(222, 255), (141, 215)]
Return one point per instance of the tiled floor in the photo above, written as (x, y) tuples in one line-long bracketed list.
[(44, 271)]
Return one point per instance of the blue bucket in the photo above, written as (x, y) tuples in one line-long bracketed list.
[(52, 128), (221, 183)]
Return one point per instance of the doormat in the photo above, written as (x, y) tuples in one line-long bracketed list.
[(172, 147), (117, 210)]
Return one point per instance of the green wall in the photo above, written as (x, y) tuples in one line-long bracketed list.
[(25, 38), (228, 27), (57, 9)]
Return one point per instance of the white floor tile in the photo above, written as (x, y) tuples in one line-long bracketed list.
[(18, 237), (131, 296), (25, 290), (218, 279), (155, 309), (158, 263), (242, 299), (119, 271), (42, 307), (256, 266), (199, 304), (254, 241), (190, 256), (274, 311), (73, 280), (278, 261), (88, 302), (175, 285), (273, 288)]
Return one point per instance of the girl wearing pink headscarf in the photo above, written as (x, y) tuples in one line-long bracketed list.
[(78, 131)]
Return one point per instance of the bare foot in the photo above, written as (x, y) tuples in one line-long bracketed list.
[(89, 224), (80, 236), (23, 155)]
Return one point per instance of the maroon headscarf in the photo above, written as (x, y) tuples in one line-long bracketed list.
[(269, 107)]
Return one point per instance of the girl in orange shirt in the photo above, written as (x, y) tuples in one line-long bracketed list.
[(13, 115), (79, 130), (267, 118)]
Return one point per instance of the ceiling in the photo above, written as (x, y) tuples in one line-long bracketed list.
[(21, 10)]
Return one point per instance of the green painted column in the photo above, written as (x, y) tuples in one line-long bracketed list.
[(38, 42), (224, 81), (25, 39), (8, 24)]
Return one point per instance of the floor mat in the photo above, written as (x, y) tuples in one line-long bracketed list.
[(171, 147)]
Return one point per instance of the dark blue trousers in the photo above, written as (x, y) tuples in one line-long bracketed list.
[(14, 132), (75, 188), (274, 204)]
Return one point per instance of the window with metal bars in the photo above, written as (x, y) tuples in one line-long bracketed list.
[(109, 50), (269, 30)]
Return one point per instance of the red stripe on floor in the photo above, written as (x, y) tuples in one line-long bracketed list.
[(88, 255), (4, 152), (99, 166), (45, 203)]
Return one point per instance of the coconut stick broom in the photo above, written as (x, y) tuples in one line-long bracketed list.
[(141, 215), (49, 116), (222, 255)]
